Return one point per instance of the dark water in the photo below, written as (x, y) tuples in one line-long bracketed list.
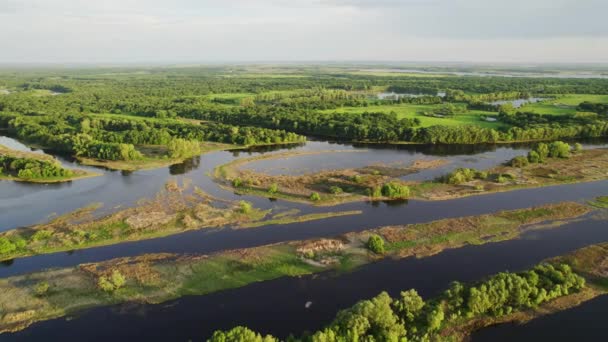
[(586, 322), (278, 306)]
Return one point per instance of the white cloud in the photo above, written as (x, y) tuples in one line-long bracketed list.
[(205, 30)]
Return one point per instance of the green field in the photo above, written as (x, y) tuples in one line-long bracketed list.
[(472, 117), (563, 105)]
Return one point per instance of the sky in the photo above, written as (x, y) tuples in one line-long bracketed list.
[(199, 31)]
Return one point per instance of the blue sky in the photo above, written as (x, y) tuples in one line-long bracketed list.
[(127, 31)]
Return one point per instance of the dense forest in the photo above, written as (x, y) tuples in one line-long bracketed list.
[(114, 111)]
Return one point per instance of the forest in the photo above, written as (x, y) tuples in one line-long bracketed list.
[(408, 317), (201, 104)]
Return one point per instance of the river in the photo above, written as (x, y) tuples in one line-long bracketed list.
[(278, 306)]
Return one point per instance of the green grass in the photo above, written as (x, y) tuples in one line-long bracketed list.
[(411, 111), (563, 104)]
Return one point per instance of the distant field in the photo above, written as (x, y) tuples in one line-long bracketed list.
[(412, 111), (563, 105)]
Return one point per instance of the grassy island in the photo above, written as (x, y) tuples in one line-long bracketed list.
[(379, 182), (175, 209), (36, 168), (156, 278)]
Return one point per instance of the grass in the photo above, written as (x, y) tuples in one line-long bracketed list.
[(600, 202), (563, 104), (472, 117), (157, 278)]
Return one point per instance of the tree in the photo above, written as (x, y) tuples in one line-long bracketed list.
[(6, 246), (408, 305), (395, 190), (559, 149), (375, 243), (240, 334)]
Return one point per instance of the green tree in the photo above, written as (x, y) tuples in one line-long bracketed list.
[(375, 243)]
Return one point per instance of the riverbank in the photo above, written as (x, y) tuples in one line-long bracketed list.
[(157, 278)]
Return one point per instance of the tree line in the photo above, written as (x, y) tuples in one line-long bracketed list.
[(408, 317)]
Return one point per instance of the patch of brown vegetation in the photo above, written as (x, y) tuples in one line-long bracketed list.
[(320, 246)]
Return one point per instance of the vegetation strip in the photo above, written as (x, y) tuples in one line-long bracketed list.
[(157, 278), (329, 187), (548, 164), (174, 210), (35, 168)]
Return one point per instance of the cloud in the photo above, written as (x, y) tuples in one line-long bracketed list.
[(131, 30)]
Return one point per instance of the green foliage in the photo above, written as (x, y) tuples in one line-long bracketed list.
[(41, 288), (180, 148), (395, 190), (542, 151), (578, 148), (112, 283), (559, 149), (463, 175), (6, 246), (519, 161), (237, 182), (336, 190), (27, 168), (273, 189), (410, 318), (240, 334), (245, 207), (315, 197), (375, 243)]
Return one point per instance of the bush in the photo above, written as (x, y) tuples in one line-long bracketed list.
[(336, 190), (395, 190), (115, 281), (245, 207), (41, 288), (534, 157), (315, 197), (577, 148), (356, 178), (519, 161), (559, 149), (6, 246), (375, 243), (237, 182), (273, 189)]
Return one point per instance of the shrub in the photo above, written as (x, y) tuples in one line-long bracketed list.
[(41, 288), (315, 197), (577, 148), (273, 189), (559, 149), (356, 178), (395, 190), (237, 182), (6, 246), (375, 243), (336, 190), (534, 157), (115, 281), (519, 161), (245, 207)]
